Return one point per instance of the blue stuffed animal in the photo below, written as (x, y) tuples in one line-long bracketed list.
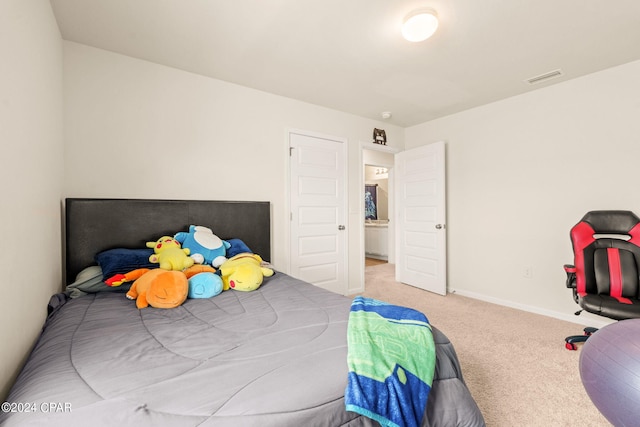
[(203, 281), (205, 247), (204, 285)]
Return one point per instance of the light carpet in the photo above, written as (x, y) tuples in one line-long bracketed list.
[(514, 362)]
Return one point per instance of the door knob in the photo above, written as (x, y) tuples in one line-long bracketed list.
[(439, 226), (341, 227)]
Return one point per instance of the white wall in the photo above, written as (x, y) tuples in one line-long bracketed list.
[(31, 175), (138, 129), (521, 172)]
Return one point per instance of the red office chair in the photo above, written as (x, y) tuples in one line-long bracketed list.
[(605, 277)]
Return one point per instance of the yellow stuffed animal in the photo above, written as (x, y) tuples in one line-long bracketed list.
[(157, 288), (243, 272), (169, 254)]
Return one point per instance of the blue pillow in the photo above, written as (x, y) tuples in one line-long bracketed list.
[(121, 261), (237, 247)]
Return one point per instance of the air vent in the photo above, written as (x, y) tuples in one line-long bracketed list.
[(544, 77)]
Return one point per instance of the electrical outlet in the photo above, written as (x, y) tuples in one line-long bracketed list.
[(527, 272)]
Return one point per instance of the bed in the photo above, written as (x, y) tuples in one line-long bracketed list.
[(275, 356)]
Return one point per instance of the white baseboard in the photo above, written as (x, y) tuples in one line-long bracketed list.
[(354, 291), (580, 320)]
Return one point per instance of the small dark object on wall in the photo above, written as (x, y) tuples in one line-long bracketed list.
[(379, 136)]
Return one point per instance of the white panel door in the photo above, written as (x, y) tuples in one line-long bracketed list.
[(318, 204), (420, 218)]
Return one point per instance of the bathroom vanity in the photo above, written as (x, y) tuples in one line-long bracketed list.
[(376, 239)]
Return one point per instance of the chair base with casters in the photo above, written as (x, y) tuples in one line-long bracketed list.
[(570, 341), (605, 277)]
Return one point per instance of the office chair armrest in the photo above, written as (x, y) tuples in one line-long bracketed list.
[(571, 275), (571, 282)]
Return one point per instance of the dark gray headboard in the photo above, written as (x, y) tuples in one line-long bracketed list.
[(94, 225)]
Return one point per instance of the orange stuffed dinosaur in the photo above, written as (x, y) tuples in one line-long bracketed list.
[(157, 288)]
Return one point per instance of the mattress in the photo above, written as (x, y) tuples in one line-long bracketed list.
[(271, 357)]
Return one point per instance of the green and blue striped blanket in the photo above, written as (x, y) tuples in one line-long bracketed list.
[(391, 359)]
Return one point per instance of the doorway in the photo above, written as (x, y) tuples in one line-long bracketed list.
[(378, 202), (376, 213)]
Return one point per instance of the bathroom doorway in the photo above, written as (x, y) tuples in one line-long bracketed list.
[(378, 201), (376, 212)]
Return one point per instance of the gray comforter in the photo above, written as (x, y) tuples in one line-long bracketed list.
[(271, 357)]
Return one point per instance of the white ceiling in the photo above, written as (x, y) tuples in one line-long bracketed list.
[(348, 54)]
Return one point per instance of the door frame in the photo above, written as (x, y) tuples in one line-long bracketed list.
[(373, 147), (287, 191)]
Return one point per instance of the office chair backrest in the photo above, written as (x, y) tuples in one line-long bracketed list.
[(606, 246)]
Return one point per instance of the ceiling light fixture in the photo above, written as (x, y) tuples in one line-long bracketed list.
[(420, 25)]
